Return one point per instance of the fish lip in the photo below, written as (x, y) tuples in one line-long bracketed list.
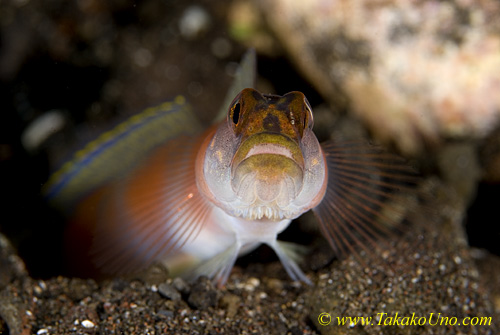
[(269, 148), (268, 142)]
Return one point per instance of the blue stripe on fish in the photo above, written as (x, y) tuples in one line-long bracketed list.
[(118, 150)]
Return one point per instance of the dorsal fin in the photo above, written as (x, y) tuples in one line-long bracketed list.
[(244, 78), (117, 151)]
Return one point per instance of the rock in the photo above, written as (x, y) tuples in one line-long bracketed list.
[(10, 321), (181, 286), (231, 302), (169, 292), (81, 288), (88, 324), (15, 312), (203, 294), (489, 156), (460, 168), (12, 266), (414, 71)]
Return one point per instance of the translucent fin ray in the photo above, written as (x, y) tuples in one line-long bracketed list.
[(144, 218), (244, 78), (366, 198), (218, 267), (289, 254)]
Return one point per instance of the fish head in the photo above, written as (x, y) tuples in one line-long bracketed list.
[(264, 161)]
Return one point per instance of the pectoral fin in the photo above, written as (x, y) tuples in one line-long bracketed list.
[(152, 212), (366, 196)]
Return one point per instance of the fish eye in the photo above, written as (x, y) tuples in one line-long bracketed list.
[(235, 113)]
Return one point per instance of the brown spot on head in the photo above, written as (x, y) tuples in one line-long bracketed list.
[(271, 123)]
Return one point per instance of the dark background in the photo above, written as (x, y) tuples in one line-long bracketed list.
[(83, 60)]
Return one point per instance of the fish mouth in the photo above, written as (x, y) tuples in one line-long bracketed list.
[(267, 176), (264, 212), (268, 143)]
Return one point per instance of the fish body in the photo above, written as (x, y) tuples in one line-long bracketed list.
[(158, 188), (261, 168)]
